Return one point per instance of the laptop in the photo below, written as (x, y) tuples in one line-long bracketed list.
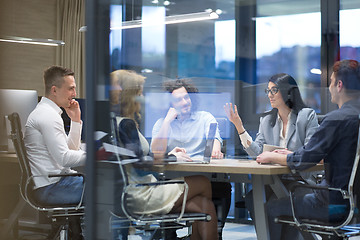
[(208, 148)]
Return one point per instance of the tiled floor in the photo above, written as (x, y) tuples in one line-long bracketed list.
[(234, 231)]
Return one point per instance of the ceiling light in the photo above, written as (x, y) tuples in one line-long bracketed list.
[(166, 3), (36, 41), (315, 71), (218, 11), (83, 29), (146, 70), (183, 18)]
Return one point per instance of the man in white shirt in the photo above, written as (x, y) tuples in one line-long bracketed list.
[(49, 149)]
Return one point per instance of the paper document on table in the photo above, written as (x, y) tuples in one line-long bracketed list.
[(123, 161), (270, 148), (83, 147), (118, 150), (99, 135)]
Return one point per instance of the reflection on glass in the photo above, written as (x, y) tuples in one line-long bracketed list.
[(349, 36), (202, 51), (115, 36), (153, 38), (225, 46), (289, 44)]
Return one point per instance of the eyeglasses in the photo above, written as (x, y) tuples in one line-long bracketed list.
[(273, 91)]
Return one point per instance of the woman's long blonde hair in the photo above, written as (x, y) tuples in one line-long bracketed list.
[(125, 87)]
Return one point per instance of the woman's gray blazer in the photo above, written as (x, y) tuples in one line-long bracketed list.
[(301, 128)]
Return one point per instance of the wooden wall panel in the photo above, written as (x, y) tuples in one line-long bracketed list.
[(21, 65)]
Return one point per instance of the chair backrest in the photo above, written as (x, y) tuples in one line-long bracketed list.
[(353, 192), (354, 182), (17, 139), (340, 214), (125, 134), (128, 136), (121, 176)]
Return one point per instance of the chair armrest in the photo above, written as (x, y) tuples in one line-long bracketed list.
[(159, 183), (313, 187), (316, 187), (292, 190), (66, 175), (77, 174), (62, 175)]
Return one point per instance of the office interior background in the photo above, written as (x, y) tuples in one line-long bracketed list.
[(230, 59)]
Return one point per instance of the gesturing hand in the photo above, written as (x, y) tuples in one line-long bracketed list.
[(233, 116)]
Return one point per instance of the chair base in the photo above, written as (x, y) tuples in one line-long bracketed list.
[(341, 233), (67, 228), (152, 230)]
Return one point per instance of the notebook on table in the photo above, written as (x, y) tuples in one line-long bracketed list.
[(208, 148), (270, 148), (266, 147)]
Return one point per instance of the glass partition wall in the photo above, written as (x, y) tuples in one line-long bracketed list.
[(229, 54), (349, 37)]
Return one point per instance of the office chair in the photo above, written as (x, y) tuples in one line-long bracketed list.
[(152, 224), (60, 215), (343, 218), (221, 190)]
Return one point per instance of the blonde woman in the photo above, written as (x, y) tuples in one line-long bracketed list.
[(127, 88)]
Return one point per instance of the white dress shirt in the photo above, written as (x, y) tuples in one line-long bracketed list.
[(283, 137), (49, 149)]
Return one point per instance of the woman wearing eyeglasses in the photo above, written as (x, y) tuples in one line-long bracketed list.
[(290, 124)]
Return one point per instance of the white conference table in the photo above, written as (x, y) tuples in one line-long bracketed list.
[(261, 175)]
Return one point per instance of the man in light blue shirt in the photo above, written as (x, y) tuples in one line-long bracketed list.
[(190, 133), (183, 133)]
